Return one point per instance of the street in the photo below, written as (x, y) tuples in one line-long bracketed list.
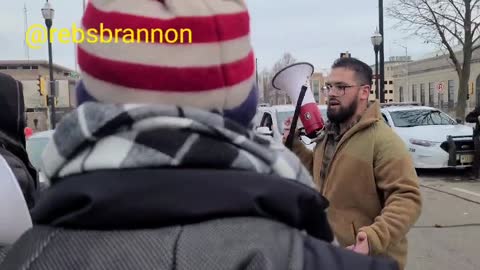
[(448, 232)]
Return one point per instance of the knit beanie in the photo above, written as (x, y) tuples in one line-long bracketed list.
[(194, 53)]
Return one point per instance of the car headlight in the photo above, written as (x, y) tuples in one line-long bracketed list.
[(423, 142)]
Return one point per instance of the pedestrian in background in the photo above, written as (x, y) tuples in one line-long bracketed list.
[(473, 117), (12, 137)]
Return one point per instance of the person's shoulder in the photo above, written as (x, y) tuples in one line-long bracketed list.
[(387, 140)]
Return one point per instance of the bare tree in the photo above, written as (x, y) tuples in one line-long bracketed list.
[(451, 24), (263, 85), (275, 95)]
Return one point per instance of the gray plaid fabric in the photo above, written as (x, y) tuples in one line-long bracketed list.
[(227, 244), (3, 253), (106, 136)]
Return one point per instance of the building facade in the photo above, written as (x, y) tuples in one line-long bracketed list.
[(391, 67), (434, 82), (317, 82), (28, 73)]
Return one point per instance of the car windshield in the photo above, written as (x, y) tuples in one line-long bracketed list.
[(282, 116), (413, 118)]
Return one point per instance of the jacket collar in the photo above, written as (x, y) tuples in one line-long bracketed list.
[(160, 197)]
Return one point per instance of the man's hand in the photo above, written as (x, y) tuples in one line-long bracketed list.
[(361, 246)]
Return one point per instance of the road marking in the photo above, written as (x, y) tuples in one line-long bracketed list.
[(467, 191)]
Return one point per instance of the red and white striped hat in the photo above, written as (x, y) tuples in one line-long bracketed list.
[(216, 71)]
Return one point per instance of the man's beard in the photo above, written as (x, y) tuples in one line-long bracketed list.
[(341, 113)]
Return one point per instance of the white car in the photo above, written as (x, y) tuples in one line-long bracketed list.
[(269, 121), (426, 132), (35, 146)]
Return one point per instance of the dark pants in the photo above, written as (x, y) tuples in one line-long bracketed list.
[(476, 159)]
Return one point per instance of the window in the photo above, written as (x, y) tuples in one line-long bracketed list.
[(400, 92), (422, 93), (414, 92), (412, 118), (431, 93), (385, 119), (390, 82), (267, 121), (391, 91), (451, 93), (281, 118), (34, 67)]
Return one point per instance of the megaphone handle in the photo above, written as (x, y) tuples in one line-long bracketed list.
[(293, 126)]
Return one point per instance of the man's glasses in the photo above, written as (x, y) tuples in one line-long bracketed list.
[(338, 88)]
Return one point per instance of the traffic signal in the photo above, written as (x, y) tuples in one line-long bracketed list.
[(50, 99), (42, 86)]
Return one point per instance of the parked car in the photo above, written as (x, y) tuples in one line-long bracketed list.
[(269, 120), (35, 145), (434, 139)]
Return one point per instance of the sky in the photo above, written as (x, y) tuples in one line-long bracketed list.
[(315, 31)]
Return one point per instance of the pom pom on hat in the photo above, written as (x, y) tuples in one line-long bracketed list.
[(183, 52)]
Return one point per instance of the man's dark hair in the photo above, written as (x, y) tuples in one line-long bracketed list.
[(362, 71)]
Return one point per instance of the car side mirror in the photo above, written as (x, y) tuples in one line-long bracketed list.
[(264, 131), (459, 121)]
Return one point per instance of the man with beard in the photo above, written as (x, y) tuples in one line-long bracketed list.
[(363, 168)]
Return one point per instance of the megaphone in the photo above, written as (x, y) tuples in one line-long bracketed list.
[(295, 80)]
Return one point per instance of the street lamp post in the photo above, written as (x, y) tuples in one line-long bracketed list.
[(406, 65), (376, 41), (382, 52), (48, 13)]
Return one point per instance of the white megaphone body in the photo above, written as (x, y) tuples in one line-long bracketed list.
[(292, 79)]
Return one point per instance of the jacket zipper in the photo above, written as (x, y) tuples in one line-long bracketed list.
[(337, 148)]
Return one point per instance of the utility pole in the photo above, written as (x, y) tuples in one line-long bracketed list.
[(27, 51), (48, 14), (382, 53)]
